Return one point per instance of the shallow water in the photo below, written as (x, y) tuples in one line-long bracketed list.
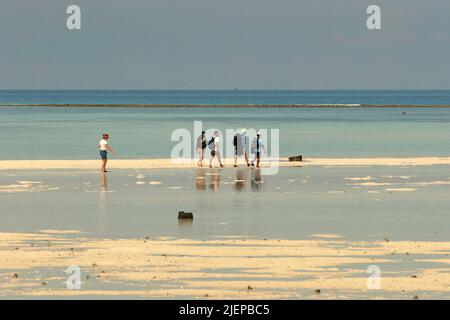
[(370, 203)]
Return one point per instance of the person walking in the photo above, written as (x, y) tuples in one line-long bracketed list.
[(201, 146), (214, 145), (240, 143), (257, 148)]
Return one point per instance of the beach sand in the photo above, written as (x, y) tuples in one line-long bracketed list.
[(33, 265), (169, 164)]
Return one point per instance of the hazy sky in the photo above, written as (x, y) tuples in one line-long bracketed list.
[(212, 44)]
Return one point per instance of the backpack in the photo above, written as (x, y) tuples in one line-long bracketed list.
[(211, 144), (236, 140)]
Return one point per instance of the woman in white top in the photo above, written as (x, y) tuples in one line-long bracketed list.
[(104, 148)]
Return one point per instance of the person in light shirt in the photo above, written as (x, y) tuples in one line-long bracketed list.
[(104, 148), (257, 148), (215, 150)]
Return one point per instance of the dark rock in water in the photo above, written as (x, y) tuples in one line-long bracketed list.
[(296, 158), (185, 215)]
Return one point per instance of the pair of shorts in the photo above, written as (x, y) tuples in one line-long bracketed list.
[(104, 154), (213, 153)]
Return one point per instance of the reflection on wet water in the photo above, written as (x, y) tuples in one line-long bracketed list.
[(214, 179), (355, 202), (241, 179), (103, 204), (200, 183), (185, 227), (256, 181), (104, 182)]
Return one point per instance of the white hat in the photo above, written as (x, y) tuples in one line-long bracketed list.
[(244, 131)]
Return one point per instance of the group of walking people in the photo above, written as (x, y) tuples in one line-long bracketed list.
[(240, 145)]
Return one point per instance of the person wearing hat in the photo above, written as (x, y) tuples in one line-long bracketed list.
[(257, 148), (241, 146)]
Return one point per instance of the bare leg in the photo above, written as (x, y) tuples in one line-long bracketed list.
[(200, 159), (246, 158), (220, 160), (104, 165)]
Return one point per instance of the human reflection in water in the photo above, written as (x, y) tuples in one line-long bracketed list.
[(200, 181), (240, 179), (213, 176), (256, 182), (214, 179), (104, 182), (103, 204)]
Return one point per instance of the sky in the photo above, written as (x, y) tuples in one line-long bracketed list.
[(226, 44)]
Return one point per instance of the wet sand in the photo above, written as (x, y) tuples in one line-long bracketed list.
[(33, 265), (169, 164)]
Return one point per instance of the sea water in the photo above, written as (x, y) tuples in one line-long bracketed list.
[(74, 132)]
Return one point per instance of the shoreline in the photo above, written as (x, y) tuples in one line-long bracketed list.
[(275, 106), (169, 164)]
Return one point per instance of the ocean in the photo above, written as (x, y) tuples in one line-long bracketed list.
[(218, 97), (73, 132)]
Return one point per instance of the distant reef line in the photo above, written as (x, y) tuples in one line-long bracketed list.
[(157, 105)]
